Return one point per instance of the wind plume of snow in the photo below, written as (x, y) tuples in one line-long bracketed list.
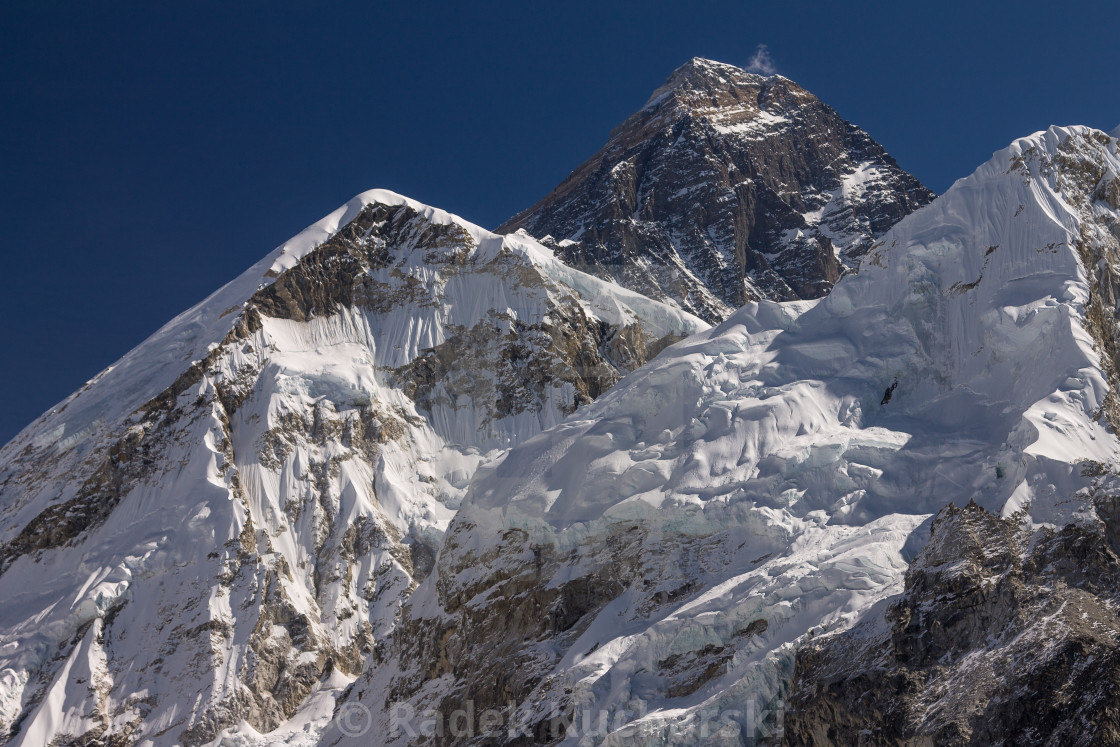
[(761, 62)]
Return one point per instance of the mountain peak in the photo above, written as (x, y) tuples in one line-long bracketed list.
[(818, 189), (713, 80), (297, 441), (702, 66)]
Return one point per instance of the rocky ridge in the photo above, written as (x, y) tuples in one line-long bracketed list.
[(726, 187)]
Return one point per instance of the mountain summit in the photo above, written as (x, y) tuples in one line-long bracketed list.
[(225, 522), (726, 187)]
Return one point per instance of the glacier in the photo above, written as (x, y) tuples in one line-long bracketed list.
[(657, 559)]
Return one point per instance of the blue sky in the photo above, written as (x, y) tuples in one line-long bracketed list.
[(151, 154)]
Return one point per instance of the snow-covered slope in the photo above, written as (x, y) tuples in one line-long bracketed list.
[(214, 532), (726, 187), (652, 564)]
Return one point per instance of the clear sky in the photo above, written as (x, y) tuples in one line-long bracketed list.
[(149, 154)]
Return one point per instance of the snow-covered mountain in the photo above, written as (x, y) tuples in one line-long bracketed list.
[(646, 571), (726, 187), (216, 531), (406, 481)]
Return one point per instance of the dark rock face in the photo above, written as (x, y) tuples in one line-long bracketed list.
[(1003, 636), (515, 369), (726, 187), (500, 652)]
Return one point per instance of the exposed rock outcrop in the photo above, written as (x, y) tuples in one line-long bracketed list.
[(726, 187), (1003, 635)]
